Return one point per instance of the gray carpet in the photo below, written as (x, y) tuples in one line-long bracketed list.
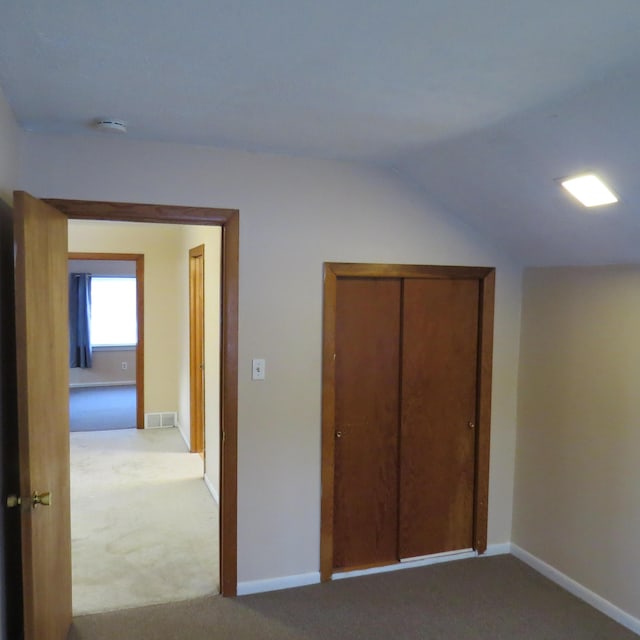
[(496, 598), (102, 408)]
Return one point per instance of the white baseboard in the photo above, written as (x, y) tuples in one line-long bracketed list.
[(183, 436), (275, 584), (567, 583), (304, 579), (578, 590), (121, 383), (212, 489), (425, 561), (500, 549)]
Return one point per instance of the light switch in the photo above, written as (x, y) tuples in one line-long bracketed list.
[(257, 369)]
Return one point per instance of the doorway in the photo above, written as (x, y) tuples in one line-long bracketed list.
[(393, 337), (164, 546), (40, 246), (116, 375), (229, 221)]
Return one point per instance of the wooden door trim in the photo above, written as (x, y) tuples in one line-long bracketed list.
[(196, 343), (229, 221), (486, 278), (483, 440), (138, 258), (328, 422)]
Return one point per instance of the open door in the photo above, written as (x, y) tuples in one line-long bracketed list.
[(42, 339)]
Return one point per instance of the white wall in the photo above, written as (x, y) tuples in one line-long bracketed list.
[(106, 369), (104, 267), (10, 139), (577, 491), (294, 214)]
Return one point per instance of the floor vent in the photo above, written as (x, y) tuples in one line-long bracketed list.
[(160, 420)]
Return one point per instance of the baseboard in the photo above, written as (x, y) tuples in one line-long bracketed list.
[(275, 584), (181, 432), (578, 590), (411, 564), (500, 549), (436, 558), (567, 583), (304, 579), (212, 489), (122, 383)]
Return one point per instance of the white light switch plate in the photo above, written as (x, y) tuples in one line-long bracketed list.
[(258, 369)]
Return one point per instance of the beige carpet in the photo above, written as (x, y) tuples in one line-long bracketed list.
[(495, 598), (144, 526)]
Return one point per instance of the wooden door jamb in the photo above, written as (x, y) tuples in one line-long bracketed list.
[(196, 350)]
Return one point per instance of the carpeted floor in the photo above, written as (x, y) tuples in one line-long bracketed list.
[(144, 526), (102, 408), (497, 598)]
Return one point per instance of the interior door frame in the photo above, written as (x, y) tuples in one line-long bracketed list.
[(196, 350), (229, 221), (486, 280), (138, 258), (9, 445)]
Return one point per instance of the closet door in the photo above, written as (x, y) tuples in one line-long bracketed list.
[(438, 398), (366, 422)]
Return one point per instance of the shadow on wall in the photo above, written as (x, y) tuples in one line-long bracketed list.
[(10, 563)]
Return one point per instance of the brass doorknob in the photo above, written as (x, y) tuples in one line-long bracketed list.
[(41, 498), (338, 434), (13, 501)]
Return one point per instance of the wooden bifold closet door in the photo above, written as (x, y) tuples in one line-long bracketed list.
[(405, 397)]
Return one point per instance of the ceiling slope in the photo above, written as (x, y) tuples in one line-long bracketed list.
[(481, 104)]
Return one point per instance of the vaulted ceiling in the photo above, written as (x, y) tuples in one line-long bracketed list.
[(483, 105)]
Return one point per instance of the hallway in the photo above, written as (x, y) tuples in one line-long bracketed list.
[(144, 525)]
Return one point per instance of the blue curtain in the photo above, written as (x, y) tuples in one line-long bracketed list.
[(80, 320)]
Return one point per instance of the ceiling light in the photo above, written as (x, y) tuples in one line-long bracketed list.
[(590, 190)]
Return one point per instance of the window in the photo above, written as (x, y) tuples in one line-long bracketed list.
[(113, 311)]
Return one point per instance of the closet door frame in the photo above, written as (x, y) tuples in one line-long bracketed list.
[(486, 280)]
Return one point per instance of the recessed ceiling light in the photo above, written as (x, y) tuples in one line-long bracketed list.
[(589, 190)]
